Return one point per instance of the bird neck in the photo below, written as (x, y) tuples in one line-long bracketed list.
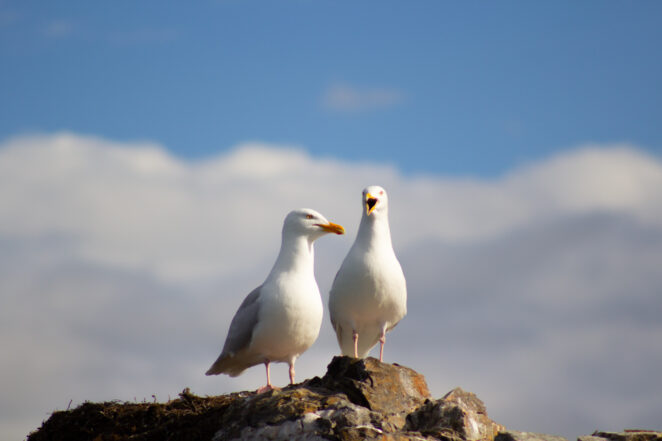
[(296, 254), (374, 232)]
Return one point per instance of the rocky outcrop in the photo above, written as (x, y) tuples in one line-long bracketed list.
[(628, 435), (459, 415), (512, 435), (355, 400)]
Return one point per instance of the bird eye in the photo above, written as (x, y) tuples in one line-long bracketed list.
[(381, 193), (309, 216)]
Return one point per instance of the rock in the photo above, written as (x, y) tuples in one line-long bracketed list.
[(527, 436), (189, 417), (389, 389), (590, 438), (264, 413), (459, 415), (628, 435), (355, 400)]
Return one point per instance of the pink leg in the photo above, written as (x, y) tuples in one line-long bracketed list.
[(355, 337), (268, 386), (382, 340), (292, 373)]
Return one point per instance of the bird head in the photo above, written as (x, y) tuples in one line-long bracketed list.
[(375, 200), (309, 222)]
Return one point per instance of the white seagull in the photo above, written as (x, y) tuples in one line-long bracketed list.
[(369, 294), (281, 318)]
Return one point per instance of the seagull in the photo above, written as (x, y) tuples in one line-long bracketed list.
[(281, 318), (369, 294)]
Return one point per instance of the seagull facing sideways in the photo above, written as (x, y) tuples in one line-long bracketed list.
[(369, 294), (281, 318)]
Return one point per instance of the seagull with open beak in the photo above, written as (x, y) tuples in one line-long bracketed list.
[(369, 294)]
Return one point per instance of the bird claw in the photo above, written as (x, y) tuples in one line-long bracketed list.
[(266, 388)]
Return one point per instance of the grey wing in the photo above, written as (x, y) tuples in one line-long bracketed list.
[(243, 323)]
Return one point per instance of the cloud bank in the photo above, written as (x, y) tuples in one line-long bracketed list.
[(121, 266)]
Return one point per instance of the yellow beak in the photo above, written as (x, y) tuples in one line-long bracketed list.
[(370, 203), (332, 228)]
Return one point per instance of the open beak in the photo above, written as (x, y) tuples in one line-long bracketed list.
[(370, 203), (332, 228)]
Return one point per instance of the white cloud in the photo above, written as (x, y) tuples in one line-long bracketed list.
[(536, 290), (347, 98), (551, 325)]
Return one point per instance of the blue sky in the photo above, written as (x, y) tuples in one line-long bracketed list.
[(146, 167), (463, 88)]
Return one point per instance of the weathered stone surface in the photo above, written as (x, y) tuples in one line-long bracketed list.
[(355, 400), (272, 413), (629, 435), (513, 435), (188, 417), (389, 389), (590, 438), (459, 415)]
